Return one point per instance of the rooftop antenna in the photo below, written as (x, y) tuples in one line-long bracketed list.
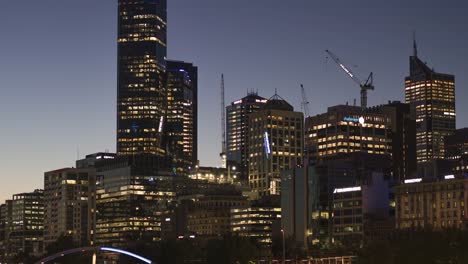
[(415, 47)]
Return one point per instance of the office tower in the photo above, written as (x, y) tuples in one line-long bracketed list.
[(141, 82), (275, 144), (181, 124), (237, 121), (432, 96), (68, 196), (387, 130), (25, 228), (347, 129), (432, 203), (130, 201)]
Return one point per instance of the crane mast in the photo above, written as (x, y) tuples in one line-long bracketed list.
[(223, 126), (365, 86), (305, 102)]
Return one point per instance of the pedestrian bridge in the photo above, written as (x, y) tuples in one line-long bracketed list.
[(93, 250)]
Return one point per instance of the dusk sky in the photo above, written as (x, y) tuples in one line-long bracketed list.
[(58, 66)]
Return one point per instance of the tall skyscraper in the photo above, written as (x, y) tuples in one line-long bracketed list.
[(141, 66), (182, 109), (275, 144), (432, 95), (237, 121), (69, 205)]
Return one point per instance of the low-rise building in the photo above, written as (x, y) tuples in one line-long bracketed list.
[(69, 206), (257, 221), (24, 220), (436, 203), (210, 215), (356, 208)]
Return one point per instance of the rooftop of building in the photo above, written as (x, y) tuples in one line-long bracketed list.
[(276, 102), (252, 97)]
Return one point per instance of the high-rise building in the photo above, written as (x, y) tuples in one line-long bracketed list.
[(456, 151), (432, 96), (181, 124), (347, 129), (237, 128), (25, 228), (141, 66), (69, 211), (387, 130), (275, 144)]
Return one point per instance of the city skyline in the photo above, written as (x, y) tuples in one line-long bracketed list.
[(73, 114)]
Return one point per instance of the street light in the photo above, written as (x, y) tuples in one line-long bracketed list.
[(284, 248)]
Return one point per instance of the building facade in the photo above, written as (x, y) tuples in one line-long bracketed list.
[(237, 128), (210, 214), (257, 221), (339, 172), (275, 144), (387, 130), (130, 201), (181, 126), (355, 208), (24, 226), (69, 205), (141, 81), (347, 129), (403, 135), (432, 96), (436, 204)]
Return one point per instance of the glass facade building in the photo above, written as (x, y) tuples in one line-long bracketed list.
[(141, 81), (181, 127)]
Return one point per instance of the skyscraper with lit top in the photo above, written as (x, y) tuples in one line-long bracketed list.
[(432, 95)]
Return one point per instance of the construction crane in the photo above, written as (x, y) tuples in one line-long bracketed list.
[(304, 103), (367, 85), (222, 155)]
